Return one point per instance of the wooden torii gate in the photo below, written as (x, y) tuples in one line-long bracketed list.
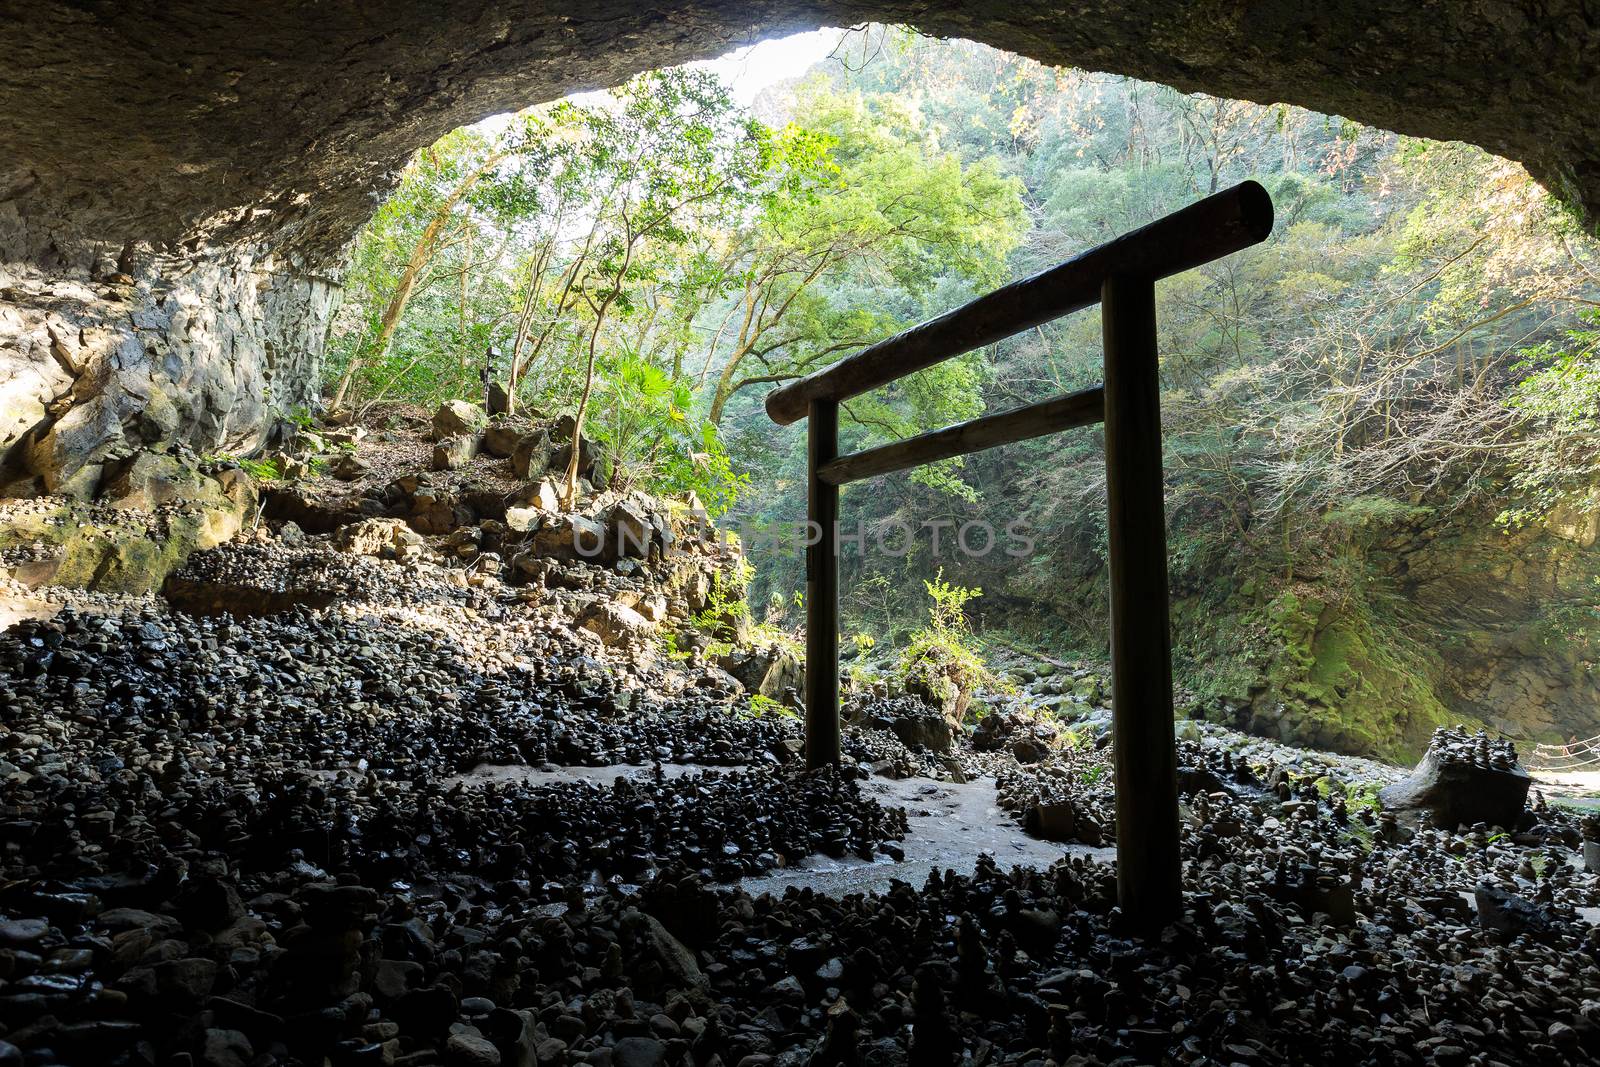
[(1120, 275)]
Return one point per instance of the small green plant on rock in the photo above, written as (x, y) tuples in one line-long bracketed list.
[(262, 470), (727, 612), (669, 647), (763, 707), (939, 663)]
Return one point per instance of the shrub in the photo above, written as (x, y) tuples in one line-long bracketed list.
[(939, 662)]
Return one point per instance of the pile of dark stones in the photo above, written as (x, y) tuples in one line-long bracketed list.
[(1067, 798), (245, 840), (1478, 748), (332, 814), (237, 842), (1029, 738)]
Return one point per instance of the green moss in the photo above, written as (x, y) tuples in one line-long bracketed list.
[(132, 553), (1351, 681), (1310, 669)]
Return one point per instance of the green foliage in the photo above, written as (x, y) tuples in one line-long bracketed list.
[(941, 658), (1373, 510), (1560, 396), (668, 642), (727, 609), (262, 470), (1564, 387), (763, 707), (651, 437)]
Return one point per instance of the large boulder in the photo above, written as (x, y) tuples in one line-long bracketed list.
[(435, 510), (770, 670), (147, 480), (615, 624), (569, 537), (1506, 916), (378, 537), (563, 456), (159, 513), (456, 417), (83, 546), (1464, 779), (1052, 821), (540, 495), (530, 457), (500, 439), (349, 467), (632, 530), (496, 399), (453, 453), (303, 507), (941, 682), (1028, 737)]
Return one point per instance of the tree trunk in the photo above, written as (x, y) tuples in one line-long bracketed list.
[(570, 493), (724, 391), (466, 266), (421, 255), (570, 490)]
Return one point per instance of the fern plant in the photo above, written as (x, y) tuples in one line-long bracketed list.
[(651, 438)]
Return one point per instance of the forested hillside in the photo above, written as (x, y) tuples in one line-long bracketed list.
[(1379, 423)]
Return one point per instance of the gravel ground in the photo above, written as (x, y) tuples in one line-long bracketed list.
[(386, 826)]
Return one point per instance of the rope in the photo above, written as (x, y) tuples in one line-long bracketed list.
[(1562, 759), (1564, 768), (1567, 749), (1561, 766)]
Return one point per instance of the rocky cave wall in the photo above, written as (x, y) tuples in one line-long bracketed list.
[(208, 354), (178, 180), (1458, 618)]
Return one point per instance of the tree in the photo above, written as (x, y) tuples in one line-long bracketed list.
[(465, 181), (672, 154), (861, 199)]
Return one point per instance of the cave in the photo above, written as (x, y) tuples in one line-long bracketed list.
[(417, 754)]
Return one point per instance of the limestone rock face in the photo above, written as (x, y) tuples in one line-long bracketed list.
[(298, 117), (456, 418), (160, 512), (210, 355)]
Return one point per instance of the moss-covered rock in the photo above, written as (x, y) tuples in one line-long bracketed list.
[(1338, 678), (165, 512)]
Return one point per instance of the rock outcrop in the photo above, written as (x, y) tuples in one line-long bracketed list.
[(211, 354), (157, 511), (1463, 780)]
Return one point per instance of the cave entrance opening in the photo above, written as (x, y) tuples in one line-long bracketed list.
[(1120, 276)]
